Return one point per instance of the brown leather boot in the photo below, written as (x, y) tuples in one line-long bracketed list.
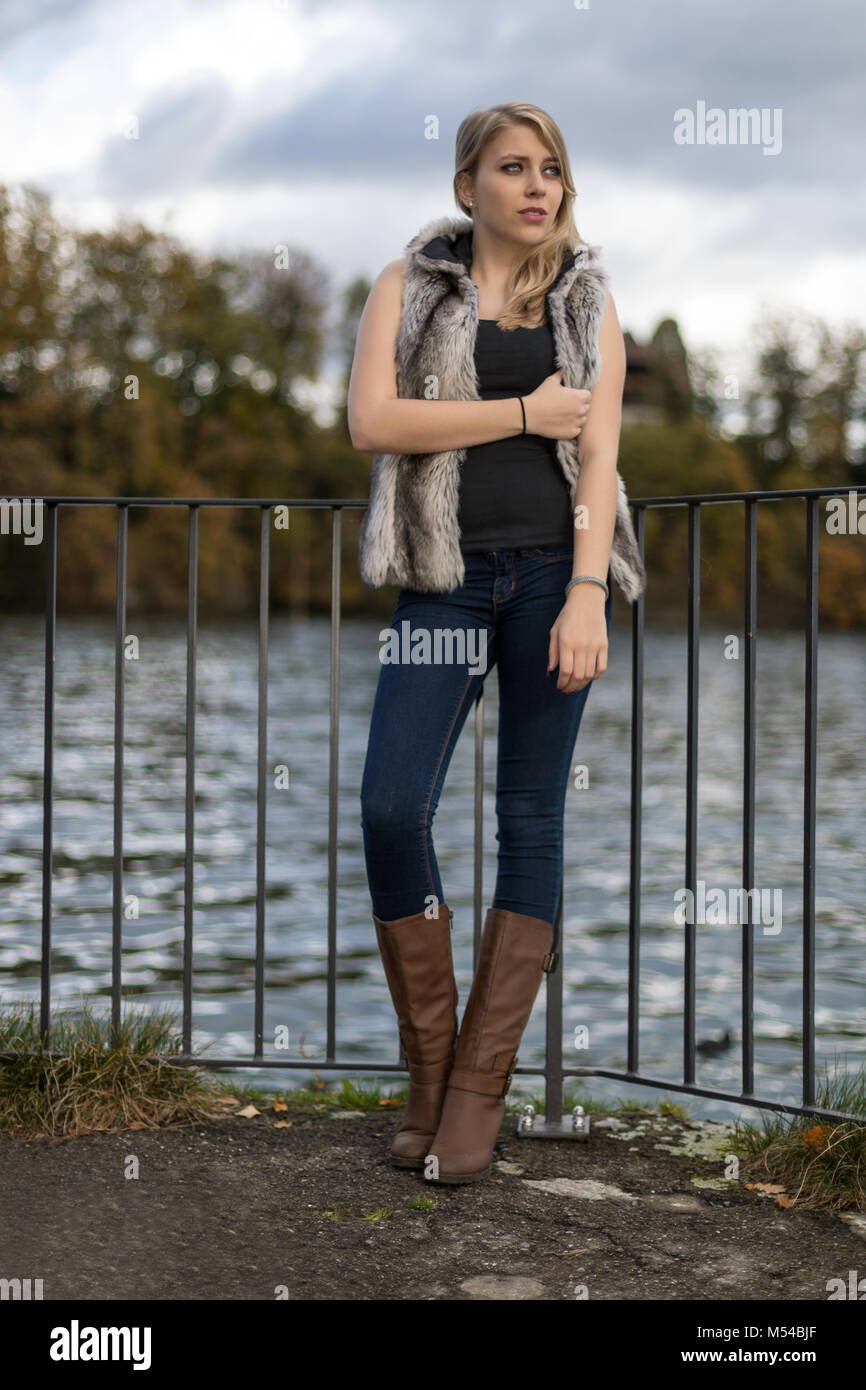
[(416, 954), (515, 951)]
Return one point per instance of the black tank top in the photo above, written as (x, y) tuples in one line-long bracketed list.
[(512, 491)]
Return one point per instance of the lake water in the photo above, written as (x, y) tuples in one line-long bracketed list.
[(596, 857)]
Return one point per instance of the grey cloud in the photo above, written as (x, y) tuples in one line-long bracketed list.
[(178, 131), (612, 76), (19, 19)]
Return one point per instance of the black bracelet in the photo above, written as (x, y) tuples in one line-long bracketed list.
[(520, 398)]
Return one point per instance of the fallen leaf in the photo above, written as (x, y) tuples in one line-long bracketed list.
[(783, 1201), (279, 1105), (248, 1112), (388, 1100), (768, 1187), (817, 1137), (282, 1124)]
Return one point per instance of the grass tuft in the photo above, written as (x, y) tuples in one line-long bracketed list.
[(422, 1204), (820, 1163), (87, 1081)]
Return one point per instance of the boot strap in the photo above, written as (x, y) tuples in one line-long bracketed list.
[(482, 1083), (550, 960), (425, 1072)]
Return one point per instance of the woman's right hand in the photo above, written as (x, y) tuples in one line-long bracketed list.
[(556, 411)]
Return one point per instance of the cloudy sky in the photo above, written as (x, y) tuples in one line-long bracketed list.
[(272, 121)]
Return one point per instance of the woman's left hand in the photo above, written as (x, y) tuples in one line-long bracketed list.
[(578, 639)]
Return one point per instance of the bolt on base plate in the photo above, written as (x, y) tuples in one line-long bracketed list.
[(573, 1126)]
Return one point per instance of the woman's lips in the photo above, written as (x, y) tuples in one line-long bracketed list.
[(533, 216)]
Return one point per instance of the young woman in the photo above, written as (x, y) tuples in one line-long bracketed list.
[(482, 357)]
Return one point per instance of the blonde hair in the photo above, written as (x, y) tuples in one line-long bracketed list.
[(533, 276)]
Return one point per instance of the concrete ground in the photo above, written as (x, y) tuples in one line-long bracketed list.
[(235, 1209)]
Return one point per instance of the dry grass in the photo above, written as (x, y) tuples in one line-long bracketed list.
[(819, 1164), (84, 1082)]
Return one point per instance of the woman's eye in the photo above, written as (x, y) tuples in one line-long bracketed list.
[(551, 168)]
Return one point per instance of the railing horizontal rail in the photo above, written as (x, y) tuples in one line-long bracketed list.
[(353, 1065), (326, 503)]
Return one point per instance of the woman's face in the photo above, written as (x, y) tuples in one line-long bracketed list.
[(516, 172)]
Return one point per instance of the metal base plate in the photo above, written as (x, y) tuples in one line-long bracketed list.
[(532, 1126)]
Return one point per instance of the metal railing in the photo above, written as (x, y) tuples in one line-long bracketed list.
[(554, 1071)]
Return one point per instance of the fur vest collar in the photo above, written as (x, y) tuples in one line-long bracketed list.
[(409, 533)]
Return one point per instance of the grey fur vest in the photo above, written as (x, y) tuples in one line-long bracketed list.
[(409, 533)]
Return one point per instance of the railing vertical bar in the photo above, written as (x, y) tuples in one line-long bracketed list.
[(119, 691), (478, 864), (189, 812), (750, 619), (333, 769), (262, 782), (809, 794), (691, 790), (48, 774), (635, 827), (553, 1064)]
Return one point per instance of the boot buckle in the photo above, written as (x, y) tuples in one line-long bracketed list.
[(550, 960), (507, 1085)]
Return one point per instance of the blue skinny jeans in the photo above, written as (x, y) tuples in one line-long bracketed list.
[(502, 614)]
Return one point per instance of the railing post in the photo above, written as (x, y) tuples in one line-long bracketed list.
[(119, 693), (333, 770), (809, 792), (189, 808), (636, 816), (692, 789), (262, 781), (750, 620), (48, 775), (553, 1072)]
